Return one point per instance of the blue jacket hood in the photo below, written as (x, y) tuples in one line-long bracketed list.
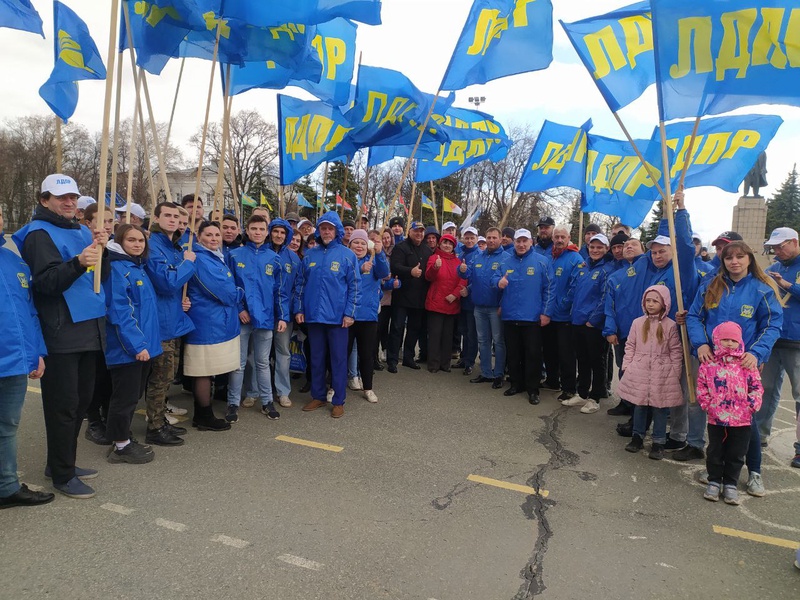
[(285, 224), (333, 218)]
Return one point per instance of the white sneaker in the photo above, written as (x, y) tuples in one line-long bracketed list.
[(354, 383), (382, 355), (330, 395), (174, 410), (370, 396), (591, 406), (249, 402), (170, 419), (574, 401), (284, 401), (755, 485)]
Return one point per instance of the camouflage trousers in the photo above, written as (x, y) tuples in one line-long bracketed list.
[(160, 381)]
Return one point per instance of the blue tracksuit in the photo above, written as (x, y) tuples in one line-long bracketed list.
[(168, 273), (590, 286), (622, 306), (215, 300), (468, 255), (566, 269), (479, 274), (530, 287), (289, 259), (370, 284), (259, 272), (790, 271)]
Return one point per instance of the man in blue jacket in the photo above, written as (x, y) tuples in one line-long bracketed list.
[(326, 299), (468, 253), (526, 281), (22, 358), (258, 270), (486, 298), (785, 357)]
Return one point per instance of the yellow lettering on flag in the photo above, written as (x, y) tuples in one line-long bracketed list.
[(70, 52), (332, 54), (155, 14), (212, 21)]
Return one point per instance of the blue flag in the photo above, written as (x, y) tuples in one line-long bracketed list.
[(382, 154), (158, 28), (20, 14), (617, 184), (76, 58), (301, 201), (558, 158), (326, 72), (390, 110), (501, 38), (474, 137), (617, 49), (725, 149), (266, 13), (718, 55), (310, 133)]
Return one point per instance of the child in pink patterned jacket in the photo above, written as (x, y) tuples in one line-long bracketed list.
[(730, 395)]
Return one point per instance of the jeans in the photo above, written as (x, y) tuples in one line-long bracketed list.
[(753, 458), (283, 359), (469, 347), (688, 420), (489, 328), (640, 422), (352, 362), (12, 396), (262, 344), (782, 360)]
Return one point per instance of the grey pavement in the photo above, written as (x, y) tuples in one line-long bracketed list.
[(239, 514)]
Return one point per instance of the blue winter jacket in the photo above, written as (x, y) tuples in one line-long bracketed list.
[(289, 259), (704, 267), (259, 272), (566, 269), (370, 284), (19, 328), (215, 300), (530, 291), (132, 318), (750, 303), (546, 252), (483, 291), (168, 273), (327, 288), (469, 255), (588, 304), (622, 306), (790, 271)]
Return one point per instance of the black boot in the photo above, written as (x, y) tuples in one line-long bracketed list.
[(205, 420), (96, 433), (625, 429), (162, 437), (636, 444)]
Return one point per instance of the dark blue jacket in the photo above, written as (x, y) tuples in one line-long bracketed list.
[(19, 328), (215, 300), (132, 319), (588, 304), (566, 269), (289, 260), (370, 284), (469, 255), (750, 303), (483, 290), (168, 273), (790, 271), (530, 287), (547, 251), (327, 288), (259, 272)]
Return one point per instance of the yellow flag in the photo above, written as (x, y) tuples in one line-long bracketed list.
[(264, 201)]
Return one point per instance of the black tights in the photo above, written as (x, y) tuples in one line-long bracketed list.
[(202, 391)]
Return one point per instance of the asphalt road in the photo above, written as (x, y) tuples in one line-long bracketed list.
[(402, 502)]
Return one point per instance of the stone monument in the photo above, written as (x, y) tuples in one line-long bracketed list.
[(750, 212)]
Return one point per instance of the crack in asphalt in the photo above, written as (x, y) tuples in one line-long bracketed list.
[(535, 507)]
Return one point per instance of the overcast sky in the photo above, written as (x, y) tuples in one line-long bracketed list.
[(417, 37)]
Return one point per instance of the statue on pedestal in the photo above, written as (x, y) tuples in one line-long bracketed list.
[(756, 178)]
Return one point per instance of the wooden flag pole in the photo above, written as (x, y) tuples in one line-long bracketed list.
[(675, 266), (224, 143), (174, 105), (410, 214), (281, 201), (645, 164), (59, 146), (101, 197), (115, 156), (146, 152), (324, 192), (232, 167), (132, 150), (433, 203), (506, 214), (364, 198), (162, 165), (344, 192), (687, 161)]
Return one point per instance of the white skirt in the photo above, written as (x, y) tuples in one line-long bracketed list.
[(213, 359)]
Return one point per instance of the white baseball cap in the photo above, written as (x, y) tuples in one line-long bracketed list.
[(600, 237), (471, 230), (696, 236), (780, 235), (481, 239), (303, 222), (448, 225), (60, 185), (136, 210), (520, 233), (660, 239), (85, 201)]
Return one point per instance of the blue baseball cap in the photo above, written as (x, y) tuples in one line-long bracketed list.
[(417, 225)]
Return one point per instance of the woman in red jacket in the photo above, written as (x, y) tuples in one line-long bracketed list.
[(443, 302)]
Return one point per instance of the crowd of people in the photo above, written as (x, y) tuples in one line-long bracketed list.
[(225, 311)]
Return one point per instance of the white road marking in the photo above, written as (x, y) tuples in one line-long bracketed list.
[(170, 525), (229, 541), (116, 508), (634, 478), (665, 565), (784, 422), (635, 500), (299, 561), (636, 537), (791, 410)]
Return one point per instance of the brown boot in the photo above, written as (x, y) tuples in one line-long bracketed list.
[(338, 411), (314, 405)]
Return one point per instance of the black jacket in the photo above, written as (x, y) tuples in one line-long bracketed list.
[(50, 278), (405, 256)]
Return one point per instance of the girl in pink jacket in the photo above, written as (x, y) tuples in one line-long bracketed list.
[(730, 395), (651, 378)]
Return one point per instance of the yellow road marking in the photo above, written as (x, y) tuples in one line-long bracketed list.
[(34, 390), (514, 487), (755, 537), (310, 444)]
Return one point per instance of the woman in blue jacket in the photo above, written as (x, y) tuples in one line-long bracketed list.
[(740, 292), (133, 339), (373, 268), (213, 347), (22, 358)]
